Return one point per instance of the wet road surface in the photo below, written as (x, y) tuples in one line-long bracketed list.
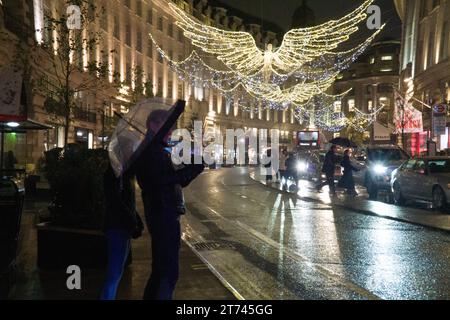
[(270, 245)]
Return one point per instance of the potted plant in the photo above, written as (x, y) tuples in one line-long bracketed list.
[(72, 235)]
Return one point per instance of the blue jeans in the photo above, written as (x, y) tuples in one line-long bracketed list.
[(119, 244)]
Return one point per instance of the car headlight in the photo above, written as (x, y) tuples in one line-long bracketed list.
[(302, 166), (380, 169)]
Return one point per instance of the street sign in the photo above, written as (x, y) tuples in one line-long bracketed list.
[(439, 119), (440, 109)]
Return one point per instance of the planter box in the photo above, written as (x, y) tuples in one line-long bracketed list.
[(60, 247)]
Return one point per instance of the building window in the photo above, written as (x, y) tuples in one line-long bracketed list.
[(385, 88), (128, 4), (170, 30), (139, 41), (180, 35), (160, 24), (215, 101), (372, 60), (104, 21), (160, 87), (170, 89), (139, 8), (123, 109), (128, 34), (116, 27), (369, 89), (150, 16), (180, 91), (386, 103), (128, 73), (337, 106), (117, 63), (170, 54), (149, 73), (138, 74), (384, 100), (150, 49), (424, 9), (351, 105), (387, 58), (386, 70), (370, 105), (84, 137)]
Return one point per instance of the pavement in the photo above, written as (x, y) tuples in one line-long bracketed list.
[(268, 244), (417, 216), (196, 281)]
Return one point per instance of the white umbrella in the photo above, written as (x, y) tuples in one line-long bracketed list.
[(131, 138)]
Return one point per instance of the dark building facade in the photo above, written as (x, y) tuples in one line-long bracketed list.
[(372, 79)]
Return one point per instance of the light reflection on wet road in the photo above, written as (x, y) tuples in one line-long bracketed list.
[(270, 245)]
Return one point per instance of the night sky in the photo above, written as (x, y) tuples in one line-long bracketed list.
[(281, 11)]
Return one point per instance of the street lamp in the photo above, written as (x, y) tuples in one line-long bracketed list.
[(13, 124)]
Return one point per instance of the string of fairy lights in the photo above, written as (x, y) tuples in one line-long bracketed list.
[(297, 75)]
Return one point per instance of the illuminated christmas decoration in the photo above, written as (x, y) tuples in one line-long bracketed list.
[(238, 50), (304, 67)]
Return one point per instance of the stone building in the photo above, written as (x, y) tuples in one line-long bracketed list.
[(425, 58), (372, 79), (124, 26)]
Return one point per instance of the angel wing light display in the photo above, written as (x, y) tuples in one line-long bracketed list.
[(238, 50), (305, 65)]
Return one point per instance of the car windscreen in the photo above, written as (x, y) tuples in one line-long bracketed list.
[(386, 155), (439, 166)]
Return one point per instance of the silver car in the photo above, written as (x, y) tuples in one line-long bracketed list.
[(426, 179)]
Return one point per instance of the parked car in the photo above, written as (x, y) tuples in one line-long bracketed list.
[(426, 178), (377, 163)]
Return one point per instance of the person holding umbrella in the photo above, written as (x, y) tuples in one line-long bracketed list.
[(163, 201), (328, 168), (347, 180)]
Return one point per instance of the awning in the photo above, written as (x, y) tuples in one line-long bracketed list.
[(22, 126)]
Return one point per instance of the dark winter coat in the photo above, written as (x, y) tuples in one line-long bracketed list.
[(161, 184), (329, 164), (120, 209), (347, 180)]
